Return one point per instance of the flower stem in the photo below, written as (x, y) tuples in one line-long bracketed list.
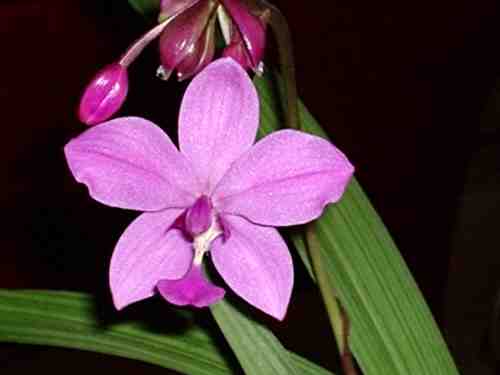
[(337, 316), (281, 32), (138, 46)]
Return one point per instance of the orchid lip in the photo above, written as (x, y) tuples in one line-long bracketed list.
[(192, 289)]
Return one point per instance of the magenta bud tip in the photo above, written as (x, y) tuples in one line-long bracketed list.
[(104, 95)]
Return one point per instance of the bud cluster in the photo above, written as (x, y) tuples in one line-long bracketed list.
[(186, 32)]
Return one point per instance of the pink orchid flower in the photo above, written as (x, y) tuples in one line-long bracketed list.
[(219, 193)]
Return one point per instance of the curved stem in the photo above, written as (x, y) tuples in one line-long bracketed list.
[(337, 316), (138, 46), (339, 320), (279, 25), (281, 32)]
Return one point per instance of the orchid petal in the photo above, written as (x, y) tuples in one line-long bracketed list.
[(131, 163), (255, 262), (218, 119), (148, 251), (192, 289), (252, 30), (287, 178)]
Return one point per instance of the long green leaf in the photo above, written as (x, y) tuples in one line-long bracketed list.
[(67, 319), (250, 340), (392, 329)]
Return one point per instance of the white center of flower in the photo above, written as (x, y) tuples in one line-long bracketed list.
[(201, 243)]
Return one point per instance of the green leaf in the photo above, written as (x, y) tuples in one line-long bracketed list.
[(147, 8), (250, 340), (392, 329), (67, 319)]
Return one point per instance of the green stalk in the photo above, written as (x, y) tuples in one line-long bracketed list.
[(338, 320), (327, 291)]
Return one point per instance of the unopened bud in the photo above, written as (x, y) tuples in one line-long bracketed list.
[(252, 34), (104, 95), (201, 55), (180, 36), (237, 51)]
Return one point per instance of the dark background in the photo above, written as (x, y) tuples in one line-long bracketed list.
[(404, 88)]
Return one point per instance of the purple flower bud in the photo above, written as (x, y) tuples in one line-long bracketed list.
[(180, 36), (237, 50), (104, 95), (201, 55), (252, 31)]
